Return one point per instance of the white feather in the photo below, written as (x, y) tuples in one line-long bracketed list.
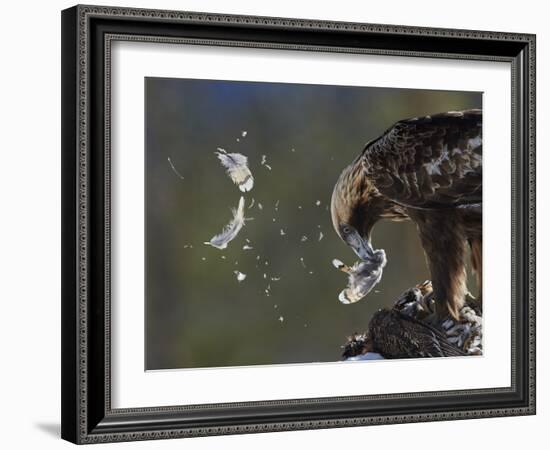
[(231, 230), (240, 276), (362, 277), (236, 166)]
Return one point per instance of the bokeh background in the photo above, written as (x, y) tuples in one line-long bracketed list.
[(197, 313)]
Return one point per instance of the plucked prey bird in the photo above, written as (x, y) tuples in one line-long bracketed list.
[(394, 335), (429, 170), (404, 331)]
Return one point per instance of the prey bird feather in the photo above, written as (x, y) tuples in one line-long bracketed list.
[(236, 166), (231, 230), (362, 277)]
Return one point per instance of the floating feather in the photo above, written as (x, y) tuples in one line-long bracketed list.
[(236, 166), (264, 162), (240, 276), (174, 169), (231, 229)]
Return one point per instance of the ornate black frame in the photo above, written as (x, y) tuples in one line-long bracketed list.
[(87, 31)]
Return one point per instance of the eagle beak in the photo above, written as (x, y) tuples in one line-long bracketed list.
[(362, 247), (362, 252)]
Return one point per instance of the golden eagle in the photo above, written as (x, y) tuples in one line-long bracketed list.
[(426, 169)]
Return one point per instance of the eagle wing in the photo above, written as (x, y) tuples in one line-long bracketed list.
[(395, 335), (429, 162)]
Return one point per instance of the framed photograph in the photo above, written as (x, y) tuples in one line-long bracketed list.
[(281, 224)]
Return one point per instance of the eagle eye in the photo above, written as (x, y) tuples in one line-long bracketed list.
[(346, 229)]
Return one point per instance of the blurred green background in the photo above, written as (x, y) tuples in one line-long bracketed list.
[(197, 313)]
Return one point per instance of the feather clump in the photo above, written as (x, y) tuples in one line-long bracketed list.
[(231, 230), (362, 277), (236, 166)]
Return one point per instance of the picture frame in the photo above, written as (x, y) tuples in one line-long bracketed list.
[(87, 366)]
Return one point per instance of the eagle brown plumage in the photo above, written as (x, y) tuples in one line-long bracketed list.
[(429, 170)]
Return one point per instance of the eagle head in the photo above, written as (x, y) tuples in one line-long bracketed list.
[(356, 206)]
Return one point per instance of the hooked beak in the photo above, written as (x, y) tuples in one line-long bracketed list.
[(362, 247)]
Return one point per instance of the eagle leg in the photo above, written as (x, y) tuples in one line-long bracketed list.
[(477, 267), (444, 243)]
